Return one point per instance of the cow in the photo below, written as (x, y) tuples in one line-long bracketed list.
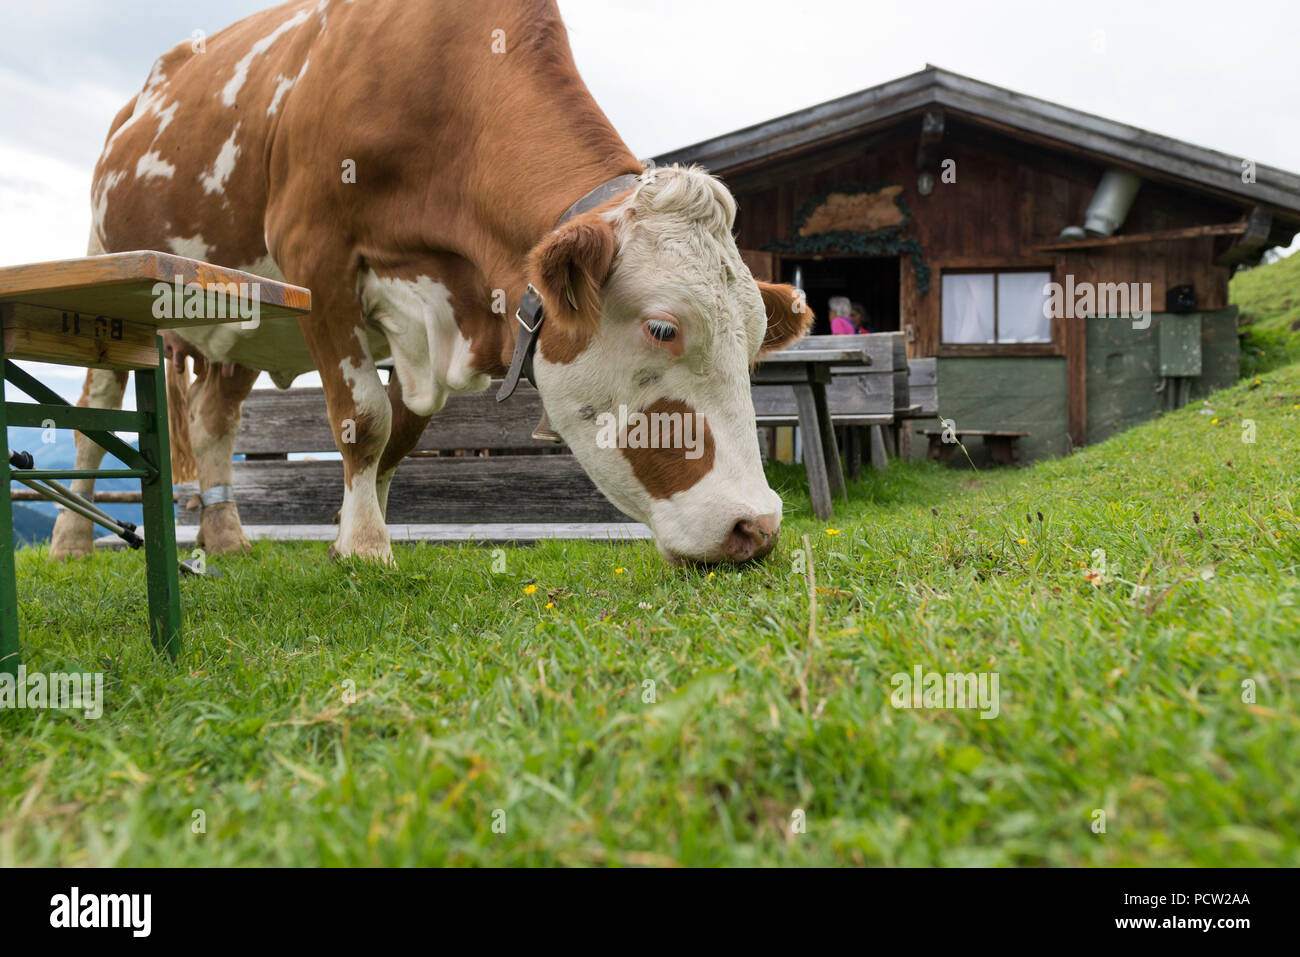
[(411, 164)]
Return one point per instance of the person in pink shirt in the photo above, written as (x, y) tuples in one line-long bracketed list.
[(841, 311)]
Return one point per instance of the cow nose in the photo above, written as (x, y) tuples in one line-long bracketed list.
[(752, 538)]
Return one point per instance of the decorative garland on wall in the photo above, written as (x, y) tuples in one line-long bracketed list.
[(885, 241)]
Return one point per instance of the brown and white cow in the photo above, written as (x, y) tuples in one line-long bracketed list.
[(408, 162)]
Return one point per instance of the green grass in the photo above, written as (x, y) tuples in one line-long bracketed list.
[(1268, 298), (473, 695)]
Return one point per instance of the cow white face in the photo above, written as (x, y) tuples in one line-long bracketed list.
[(653, 322)]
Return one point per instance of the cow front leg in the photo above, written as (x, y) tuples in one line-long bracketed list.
[(74, 536), (407, 427), (214, 412), (361, 419)]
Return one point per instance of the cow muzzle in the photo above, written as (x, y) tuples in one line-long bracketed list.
[(752, 539), (748, 539)]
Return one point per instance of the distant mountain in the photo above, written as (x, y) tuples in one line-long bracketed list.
[(31, 527), (62, 454)]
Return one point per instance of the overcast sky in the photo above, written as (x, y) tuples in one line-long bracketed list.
[(672, 72)]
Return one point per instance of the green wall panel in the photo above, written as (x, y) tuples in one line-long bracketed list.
[(1123, 373), (1220, 352), (1124, 368), (1025, 394)]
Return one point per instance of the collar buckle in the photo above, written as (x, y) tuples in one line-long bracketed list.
[(530, 303)]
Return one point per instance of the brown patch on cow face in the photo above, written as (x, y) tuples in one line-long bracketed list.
[(665, 471)]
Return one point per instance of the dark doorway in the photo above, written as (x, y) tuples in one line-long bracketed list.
[(871, 282)]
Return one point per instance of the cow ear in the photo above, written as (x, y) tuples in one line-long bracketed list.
[(788, 315), (570, 266)]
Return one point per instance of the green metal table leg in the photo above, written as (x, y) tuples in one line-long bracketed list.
[(9, 648), (159, 520)]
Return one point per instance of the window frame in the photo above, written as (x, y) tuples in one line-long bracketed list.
[(1054, 347)]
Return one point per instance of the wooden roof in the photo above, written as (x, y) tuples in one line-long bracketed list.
[(1012, 113)]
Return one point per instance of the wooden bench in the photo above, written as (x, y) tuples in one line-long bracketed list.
[(101, 312), (1003, 445), (903, 404), (923, 387), (863, 401), (872, 438), (923, 401), (523, 482)]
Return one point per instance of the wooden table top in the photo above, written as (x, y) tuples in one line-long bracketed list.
[(123, 286), (104, 312), (846, 355), (841, 350)]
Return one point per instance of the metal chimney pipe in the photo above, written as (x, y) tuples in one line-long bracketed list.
[(1111, 202)]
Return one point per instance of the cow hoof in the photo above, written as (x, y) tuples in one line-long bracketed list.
[(220, 531), (224, 544), (380, 553), (73, 537)]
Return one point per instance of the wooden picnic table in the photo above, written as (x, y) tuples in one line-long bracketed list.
[(103, 312), (807, 369)]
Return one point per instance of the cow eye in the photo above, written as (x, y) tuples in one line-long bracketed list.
[(661, 330)]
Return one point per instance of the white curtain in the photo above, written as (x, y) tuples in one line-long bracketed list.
[(1021, 298), (967, 307)]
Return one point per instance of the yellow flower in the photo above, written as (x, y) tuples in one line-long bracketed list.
[(832, 531), (1214, 421), (618, 571), (550, 604), (710, 578), (1023, 541), (1295, 406), (529, 589)]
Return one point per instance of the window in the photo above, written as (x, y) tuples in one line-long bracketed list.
[(1002, 308)]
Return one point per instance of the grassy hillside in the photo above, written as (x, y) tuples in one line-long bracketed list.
[(443, 713), (1269, 300)]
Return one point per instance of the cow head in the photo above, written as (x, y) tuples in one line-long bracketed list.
[(653, 323)]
